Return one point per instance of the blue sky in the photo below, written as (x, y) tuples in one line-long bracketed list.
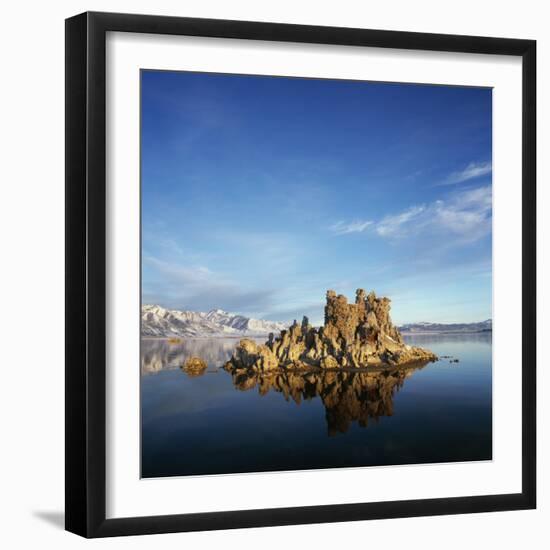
[(260, 193)]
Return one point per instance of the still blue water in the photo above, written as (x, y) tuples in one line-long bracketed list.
[(218, 423)]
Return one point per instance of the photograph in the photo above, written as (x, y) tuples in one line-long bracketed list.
[(316, 273), (288, 262)]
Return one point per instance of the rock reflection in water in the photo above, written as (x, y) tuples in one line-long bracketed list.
[(158, 354), (346, 395)]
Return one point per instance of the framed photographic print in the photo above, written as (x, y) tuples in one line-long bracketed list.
[(300, 274)]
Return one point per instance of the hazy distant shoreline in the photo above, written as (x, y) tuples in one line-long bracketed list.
[(429, 332), (204, 336), (240, 336)]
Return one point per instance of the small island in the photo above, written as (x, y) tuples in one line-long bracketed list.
[(355, 336)]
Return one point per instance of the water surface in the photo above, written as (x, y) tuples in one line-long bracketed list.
[(222, 423)]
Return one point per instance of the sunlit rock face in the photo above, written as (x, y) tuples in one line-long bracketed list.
[(348, 396), (358, 335), (195, 366)]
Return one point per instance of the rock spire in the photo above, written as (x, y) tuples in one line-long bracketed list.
[(358, 335)]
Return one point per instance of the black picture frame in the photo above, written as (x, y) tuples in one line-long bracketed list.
[(86, 274)]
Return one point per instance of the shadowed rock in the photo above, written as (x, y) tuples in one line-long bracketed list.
[(358, 335)]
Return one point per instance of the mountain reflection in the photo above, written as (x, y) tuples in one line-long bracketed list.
[(347, 396), (159, 354)]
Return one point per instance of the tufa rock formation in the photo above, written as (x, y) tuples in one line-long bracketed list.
[(195, 366), (358, 335)]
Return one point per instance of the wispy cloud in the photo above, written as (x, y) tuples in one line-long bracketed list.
[(473, 170), (468, 214), (199, 288), (184, 275), (464, 216), (392, 225), (156, 237), (343, 228)]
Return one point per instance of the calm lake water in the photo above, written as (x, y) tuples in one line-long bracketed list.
[(219, 423)]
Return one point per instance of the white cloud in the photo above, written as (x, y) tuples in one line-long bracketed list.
[(198, 288), (463, 217), (467, 215), (473, 170), (392, 225), (342, 228), (195, 275)]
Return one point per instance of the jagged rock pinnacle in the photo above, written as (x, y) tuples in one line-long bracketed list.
[(358, 335)]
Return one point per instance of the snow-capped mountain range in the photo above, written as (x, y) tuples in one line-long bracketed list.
[(160, 322)]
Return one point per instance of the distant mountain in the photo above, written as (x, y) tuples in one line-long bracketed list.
[(161, 322), (457, 328)]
